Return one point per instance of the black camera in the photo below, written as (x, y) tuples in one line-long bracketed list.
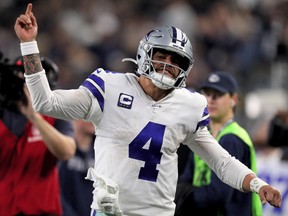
[(11, 83), (12, 80)]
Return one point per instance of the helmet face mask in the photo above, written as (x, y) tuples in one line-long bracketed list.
[(166, 39)]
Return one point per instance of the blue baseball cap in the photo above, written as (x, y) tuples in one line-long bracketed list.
[(220, 81)]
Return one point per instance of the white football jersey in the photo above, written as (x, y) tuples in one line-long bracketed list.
[(137, 137)]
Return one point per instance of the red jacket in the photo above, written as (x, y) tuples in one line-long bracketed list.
[(28, 174)]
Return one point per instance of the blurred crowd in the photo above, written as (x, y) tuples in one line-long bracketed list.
[(248, 38), (241, 36)]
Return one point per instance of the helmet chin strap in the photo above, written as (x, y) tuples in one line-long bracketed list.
[(162, 81)]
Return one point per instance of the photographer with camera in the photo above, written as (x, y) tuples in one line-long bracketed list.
[(30, 146), (278, 129)]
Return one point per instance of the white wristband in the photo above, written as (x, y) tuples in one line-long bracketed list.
[(256, 184), (29, 48)]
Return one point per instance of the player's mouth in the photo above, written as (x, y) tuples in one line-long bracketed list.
[(167, 71)]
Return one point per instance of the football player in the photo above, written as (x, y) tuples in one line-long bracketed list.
[(141, 120)]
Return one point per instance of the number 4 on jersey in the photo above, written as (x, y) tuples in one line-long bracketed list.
[(154, 133)]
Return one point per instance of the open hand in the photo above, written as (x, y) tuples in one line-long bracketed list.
[(26, 26)]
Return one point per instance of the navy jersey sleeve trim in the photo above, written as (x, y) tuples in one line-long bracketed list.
[(204, 120), (93, 83)]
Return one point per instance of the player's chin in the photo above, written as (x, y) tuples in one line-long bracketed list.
[(213, 115)]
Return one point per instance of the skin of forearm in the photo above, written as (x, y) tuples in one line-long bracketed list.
[(32, 64), (61, 146), (246, 182)]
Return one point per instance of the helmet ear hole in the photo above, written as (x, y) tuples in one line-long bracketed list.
[(138, 57)]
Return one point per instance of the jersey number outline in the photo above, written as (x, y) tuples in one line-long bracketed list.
[(154, 133)]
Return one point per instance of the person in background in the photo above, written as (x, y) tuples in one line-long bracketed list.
[(278, 129), (30, 146), (76, 193), (208, 194), (272, 156), (141, 120)]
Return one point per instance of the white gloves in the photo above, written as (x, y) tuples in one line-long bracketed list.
[(107, 193), (107, 197)]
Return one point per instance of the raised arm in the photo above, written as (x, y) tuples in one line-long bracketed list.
[(26, 29), (63, 104)]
